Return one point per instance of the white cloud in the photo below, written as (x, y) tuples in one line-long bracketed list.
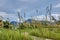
[(56, 16), (15, 17), (7, 15), (19, 9), (42, 17), (39, 18), (57, 6), (3, 14), (12, 17)]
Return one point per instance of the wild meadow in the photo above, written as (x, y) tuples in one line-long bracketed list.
[(42, 32)]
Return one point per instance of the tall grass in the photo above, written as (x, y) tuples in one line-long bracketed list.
[(49, 33), (25, 34), (7, 34)]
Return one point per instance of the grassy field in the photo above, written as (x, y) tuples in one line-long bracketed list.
[(29, 34)]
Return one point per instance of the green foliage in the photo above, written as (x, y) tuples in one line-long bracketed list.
[(7, 34), (34, 29), (35, 33), (58, 22), (21, 26), (47, 33), (23, 37), (6, 24)]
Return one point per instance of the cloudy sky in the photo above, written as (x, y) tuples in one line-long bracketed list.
[(9, 8)]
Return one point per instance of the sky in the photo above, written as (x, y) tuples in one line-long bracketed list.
[(9, 8)]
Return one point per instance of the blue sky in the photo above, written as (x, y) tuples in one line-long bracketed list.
[(9, 8)]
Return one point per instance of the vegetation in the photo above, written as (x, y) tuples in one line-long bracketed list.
[(49, 33), (33, 30), (7, 34), (27, 30), (25, 34)]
